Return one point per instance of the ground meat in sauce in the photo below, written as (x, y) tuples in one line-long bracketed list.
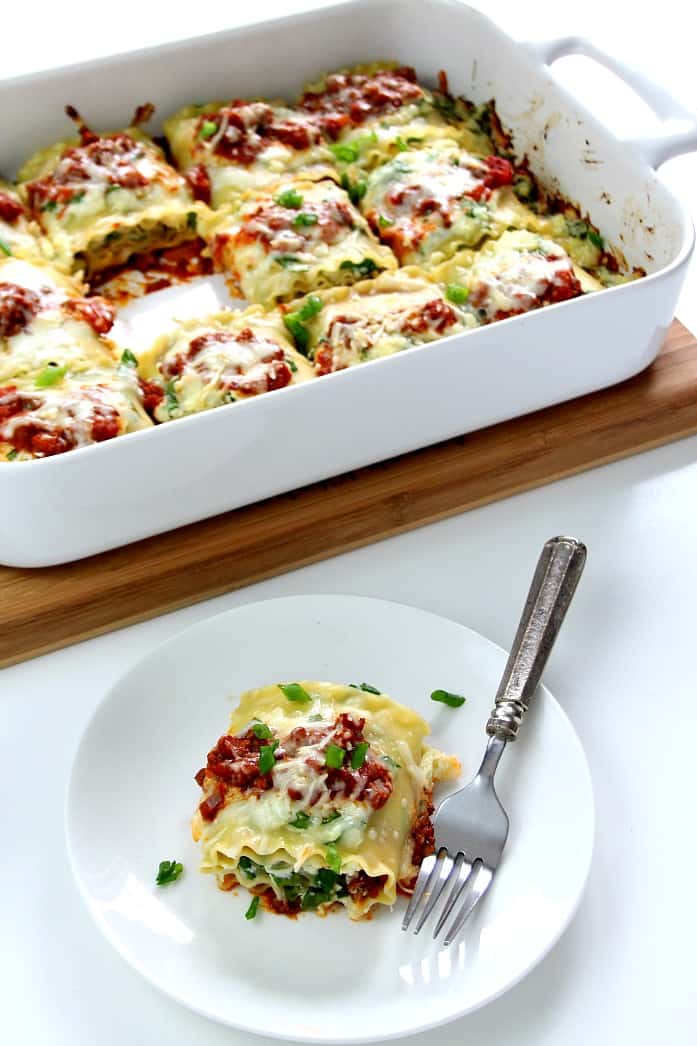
[(18, 306), (96, 311), (251, 127), (45, 438), (363, 886), (152, 395), (232, 764), (435, 316), (274, 225), (352, 98), (199, 183), (562, 286), (113, 156), (10, 209), (269, 372)]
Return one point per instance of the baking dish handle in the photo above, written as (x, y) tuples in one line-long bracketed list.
[(679, 132)]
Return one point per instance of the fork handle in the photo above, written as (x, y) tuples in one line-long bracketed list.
[(557, 573)]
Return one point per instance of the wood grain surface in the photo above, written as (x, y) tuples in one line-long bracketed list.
[(43, 609)]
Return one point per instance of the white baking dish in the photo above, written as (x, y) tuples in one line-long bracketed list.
[(59, 509)]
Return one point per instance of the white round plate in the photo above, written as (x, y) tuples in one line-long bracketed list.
[(132, 793)]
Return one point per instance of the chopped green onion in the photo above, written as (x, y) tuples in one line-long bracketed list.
[(310, 307), (168, 872), (389, 761), (5, 248), (267, 759), (171, 398), (261, 730), (191, 221), (50, 375), (456, 294), (358, 755), (305, 218), (111, 188), (401, 145), (384, 222), (345, 152), (128, 359), (289, 198), (301, 820), (333, 816), (446, 698), (364, 268), (50, 205), (253, 908), (334, 756), (367, 687), (77, 197), (291, 261), (355, 190), (12, 454), (292, 364), (333, 859), (295, 321), (317, 718), (294, 692), (208, 129), (596, 240)]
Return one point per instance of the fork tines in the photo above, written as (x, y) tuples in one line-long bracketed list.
[(466, 882)]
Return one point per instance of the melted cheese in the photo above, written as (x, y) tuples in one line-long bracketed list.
[(378, 842), (270, 257)]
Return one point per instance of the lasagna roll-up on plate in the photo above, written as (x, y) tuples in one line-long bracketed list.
[(319, 796), (220, 359), (345, 326), (47, 327), (305, 235), (103, 198), (226, 149)]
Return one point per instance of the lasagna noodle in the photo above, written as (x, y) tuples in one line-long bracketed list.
[(20, 237), (45, 321), (102, 202), (220, 359), (307, 235), (228, 149), (376, 842)]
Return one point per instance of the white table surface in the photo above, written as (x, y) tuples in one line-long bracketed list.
[(624, 668)]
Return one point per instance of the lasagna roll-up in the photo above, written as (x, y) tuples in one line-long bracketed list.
[(40, 421), (514, 274), (226, 149), (305, 235), (319, 796), (47, 327), (220, 359), (106, 197), (19, 235), (349, 325), (427, 204)]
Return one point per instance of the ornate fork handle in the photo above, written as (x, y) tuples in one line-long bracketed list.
[(557, 573)]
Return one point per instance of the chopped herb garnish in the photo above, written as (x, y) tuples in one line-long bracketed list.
[(111, 188), (250, 869), (446, 698), (50, 205), (294, 692), (345, 152), (261, 730), (334, 756), (292, 262), (208, 129), (50, 375), (355, 190), (289, 198), (333, 860), (596, 240), (191, 220), (457, 294), (333, 816), (401, 145), (311, 306), (128, 359), (305, 218), (358, 755), (5, 248), (12, 454), (253, 908), (316, 718), (77, 197), (112, 236), (168, 872), (171, 398), (367, 687), (389, 761), (363, 268), (301, 820), (292, 364), (267, 759), (384, 222)]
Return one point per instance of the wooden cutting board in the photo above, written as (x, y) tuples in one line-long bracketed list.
[(47, 608)]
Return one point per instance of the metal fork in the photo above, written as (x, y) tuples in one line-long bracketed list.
[(471, 826)]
